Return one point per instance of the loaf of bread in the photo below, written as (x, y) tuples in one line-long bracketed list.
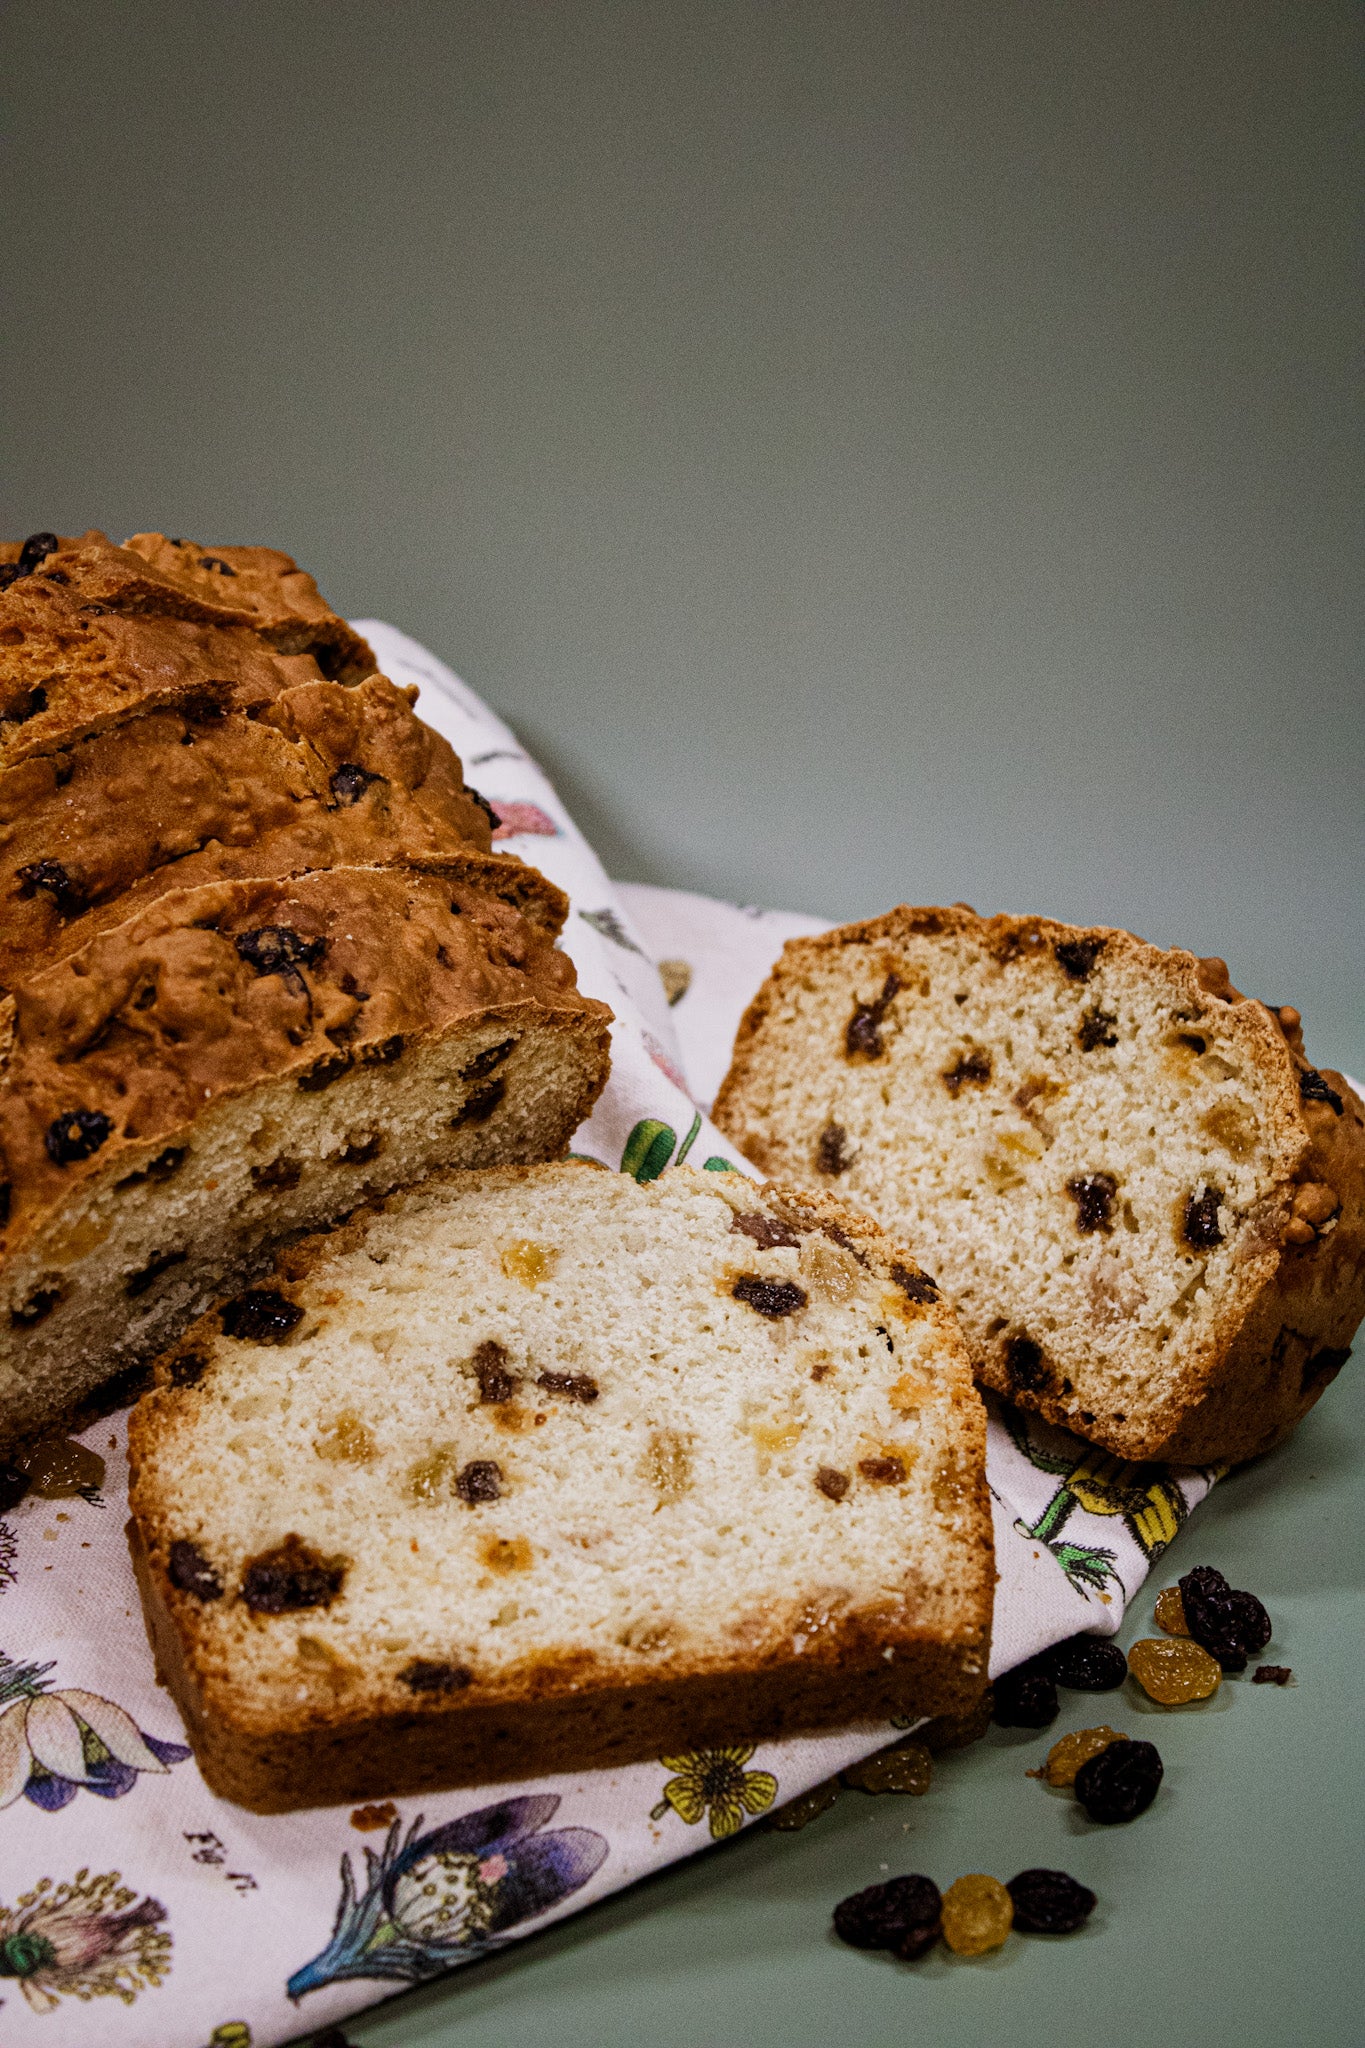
[(250, 1058), (1145, 1205), (538, 1470)]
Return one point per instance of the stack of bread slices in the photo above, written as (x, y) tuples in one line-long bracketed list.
[(257, 959)]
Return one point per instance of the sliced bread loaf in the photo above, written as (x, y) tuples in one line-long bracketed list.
[(1146, 1207), (247, 1059), (526, 1471)]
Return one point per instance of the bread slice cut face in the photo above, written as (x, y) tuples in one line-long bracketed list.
[(1145, 1205), (540, 1469)]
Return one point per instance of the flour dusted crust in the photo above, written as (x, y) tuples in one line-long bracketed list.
[(664, 1466), (249, 1058), (1148, 1209)]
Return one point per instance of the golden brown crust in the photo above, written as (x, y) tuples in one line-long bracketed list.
[(1286, 1331)]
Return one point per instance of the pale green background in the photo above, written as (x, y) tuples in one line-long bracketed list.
[(870, 451)]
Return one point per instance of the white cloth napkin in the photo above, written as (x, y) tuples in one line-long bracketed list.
[(138, 1911)]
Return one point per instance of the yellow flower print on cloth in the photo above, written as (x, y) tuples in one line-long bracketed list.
[(715, 1782), (88, 1939)]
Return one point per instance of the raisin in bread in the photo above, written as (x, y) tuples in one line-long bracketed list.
[(327, 776), (537, 1470), (248, 1059), (1148, 1210)]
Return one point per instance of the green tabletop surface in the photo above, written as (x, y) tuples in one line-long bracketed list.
[(1229, 1914)]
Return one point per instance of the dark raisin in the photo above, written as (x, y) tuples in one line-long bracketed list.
[(35, 1309), (36, 549), (24, 708), (1077, 957), (360, 1151), (863, 1037), (1093, 1194), (350, 782), (76, 1135), (1097, 1028), (765, 1231), (1026, 1697), (484, 805), (161, 1168), (833, 1483), (496, 1383), (972, 1065), (324, 1071), (1202, 1229), (425, 1675), (485, 1061), (7, 1195), (278, 1174), (902, 1915), (771, 1298), (188, 1369), (577, 1386), (189, 1571), (260, 1316), (478, 1107), (53, 878), (384, 1052), (1120, 1783), (14, 1484), (1025, 1364), (1313, 1088), (480, 1480), (10, 572), (888, 1471), (832, 1155), (1049, 1902), (217, 564), (1229, 1624), (276, 949), (291, 1576), (915, 1286), (1271, 1674), (1086, 1664), (161, 1262)]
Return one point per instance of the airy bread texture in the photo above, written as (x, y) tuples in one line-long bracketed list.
[(537, 1470), (1147, 1209), (248, 1059)]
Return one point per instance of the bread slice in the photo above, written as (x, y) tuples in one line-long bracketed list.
[(245, 1060), (541, 1469), (327, 776), (1148, 1210)]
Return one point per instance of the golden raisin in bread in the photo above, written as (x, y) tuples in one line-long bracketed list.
[(539, 1470), (169, 799), (90, 631), (248, 1059), (1147, 1209)]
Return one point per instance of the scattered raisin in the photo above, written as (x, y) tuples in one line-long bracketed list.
[(189, 1571), (1093, 1194), (1049, 1902), (832, 1155), (1313, 1088), (161, 1262), (863, 1038), (384, 1051), (833, 1483), (217, 565), (290, 1576), (578, 1386), (1271, 1674), (902, 1915), (426, 1675), (1120, 1783), (888, 1471), (1086, 1664), (806, 1807), (1077, 957), (496, 1383), (36, 549), (478, 1107), (1229, 1624), (76, 1135), (260, 1316), (905, 1767), (914, 1286), (1025, 1364), (323, 1072), (14, 1484), (1065, 1758), (279, 1175), (276, 949), (978, 1914), (53, 878), (972, 1065), (1170, 1612), (1096, 1028), (480, 1480), (350, 782), (771, 1298), (1173, 1671), (484, 1062), (1026, 1697), (766, 1231), (1202, 1230), (188, 1369)]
